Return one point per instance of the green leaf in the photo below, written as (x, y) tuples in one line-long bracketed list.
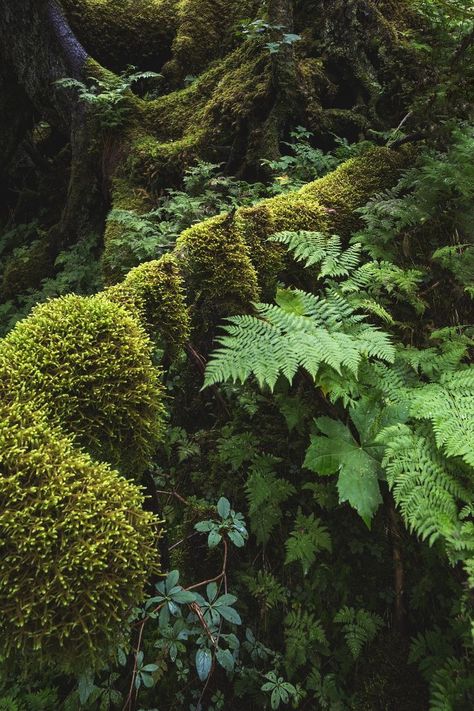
[(214, 538), (204, 526), (203, 663), (211, 591), (229, 614), (149, 668), (172, 579), (223, 507), (148, 680), (236, 538), (358, 465), (184, 596), (275, 698), (86, 686), (225, 659), (360, 488)]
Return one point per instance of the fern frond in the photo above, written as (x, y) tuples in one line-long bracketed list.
[(360, 627), (319, 248)]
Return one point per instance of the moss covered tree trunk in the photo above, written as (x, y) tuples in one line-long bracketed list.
[(238, 104)]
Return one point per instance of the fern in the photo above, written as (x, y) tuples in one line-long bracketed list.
[(317, 248), (265, 494), (267, 590), (449, 405), (309, 536), (360, 627), (283, 338), (304, 637)]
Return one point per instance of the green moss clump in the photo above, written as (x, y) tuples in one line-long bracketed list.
[(219, 275), (87, 362), (76, 548), (353, 183), (122, 32), (155, 291)]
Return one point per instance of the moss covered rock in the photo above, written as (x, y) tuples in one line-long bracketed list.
[(76, 547)]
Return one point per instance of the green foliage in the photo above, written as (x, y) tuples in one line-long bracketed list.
[(206, 192), (254, 29), (308, 537), (280, 691), (77, 271), (357, 463), (265, 494), (359, 626), (302, 330), (231, 524), (108, 96), (304, 638)]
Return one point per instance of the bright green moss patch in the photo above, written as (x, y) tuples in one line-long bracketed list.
[(76, 548), (217, 269), (352, 184), (156, 291), (87, 362)]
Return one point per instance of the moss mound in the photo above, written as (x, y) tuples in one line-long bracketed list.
[(155, 291), (87, 361), (122, 32), (75, 545)]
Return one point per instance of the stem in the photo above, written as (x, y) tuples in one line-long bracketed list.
[(398, 569)]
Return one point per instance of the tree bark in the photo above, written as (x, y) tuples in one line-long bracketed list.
[(40, 48)]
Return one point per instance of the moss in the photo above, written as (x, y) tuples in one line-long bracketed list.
[(118, 257), (206, 31), (76, 548), (219, 275), (122, 32), (227, 261), (155, 290), (87, 362), (353, 183), (199, 120), (27, 267)]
